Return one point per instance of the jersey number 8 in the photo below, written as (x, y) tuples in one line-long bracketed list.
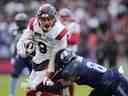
[(97, 67), (42, 47)]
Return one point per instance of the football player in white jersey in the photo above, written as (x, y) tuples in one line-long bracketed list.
[(44, 36), (67, 18)]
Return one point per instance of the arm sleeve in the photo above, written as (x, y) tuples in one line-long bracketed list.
[(51, 65), (60, 44)]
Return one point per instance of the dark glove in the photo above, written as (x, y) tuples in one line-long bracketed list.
[(57, 87)]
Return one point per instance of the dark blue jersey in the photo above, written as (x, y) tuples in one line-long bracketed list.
[(87, 72), (84, 71), (71, 68), (15, 34), (19, 63)]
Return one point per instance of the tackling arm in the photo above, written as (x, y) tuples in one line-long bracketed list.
[(56, 87), (67, 76)]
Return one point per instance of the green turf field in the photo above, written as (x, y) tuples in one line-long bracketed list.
[(4, 81), (79, 90)]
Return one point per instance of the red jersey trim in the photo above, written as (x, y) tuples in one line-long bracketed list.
[(62, 34), (30, 23)]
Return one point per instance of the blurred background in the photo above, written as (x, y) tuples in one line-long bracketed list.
[(103, 33)]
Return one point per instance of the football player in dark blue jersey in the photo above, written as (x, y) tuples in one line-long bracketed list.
[(72, 68), (19, 63)]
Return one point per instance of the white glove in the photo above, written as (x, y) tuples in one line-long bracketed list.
[(47, 82)]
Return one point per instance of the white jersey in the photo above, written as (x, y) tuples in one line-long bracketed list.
[(74, 29), (47, 44)]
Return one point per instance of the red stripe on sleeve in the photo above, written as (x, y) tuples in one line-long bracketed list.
[(62, 34)]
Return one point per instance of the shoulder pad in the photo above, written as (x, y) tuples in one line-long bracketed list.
[(30, 23)]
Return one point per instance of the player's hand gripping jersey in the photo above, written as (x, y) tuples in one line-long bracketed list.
[(42, 40)]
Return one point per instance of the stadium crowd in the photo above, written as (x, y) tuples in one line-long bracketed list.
[(103, 26)]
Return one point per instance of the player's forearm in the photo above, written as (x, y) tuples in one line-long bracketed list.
[(51, 65)]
